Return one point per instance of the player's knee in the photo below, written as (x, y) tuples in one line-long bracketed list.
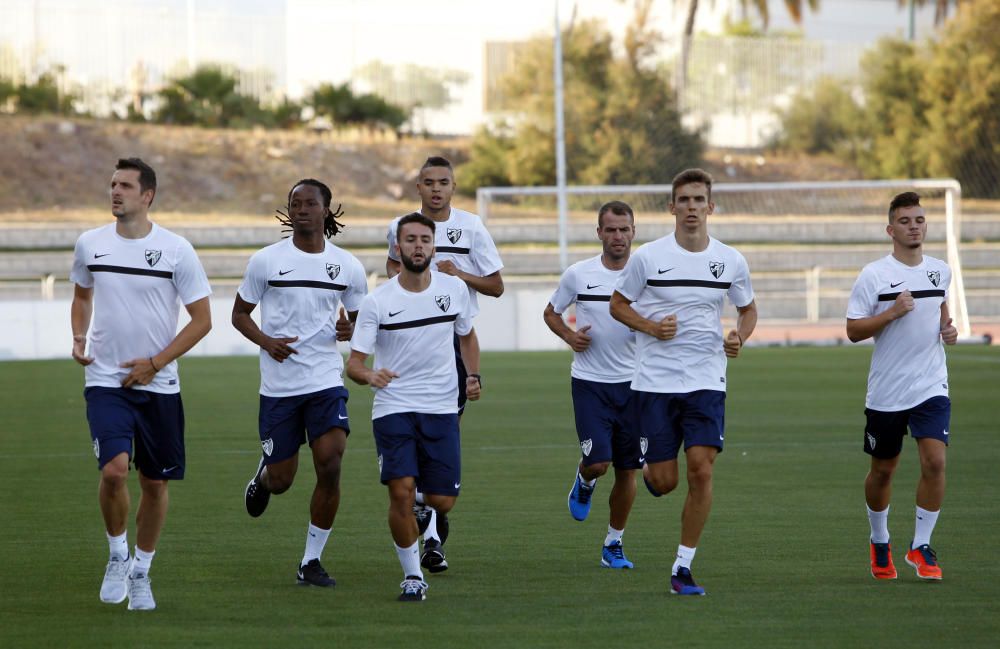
[(441, 504), (700, 475), (402, 492), (328, 472), (932, 467), (278, 482), (592, 471), (113, 477), (663, 484)]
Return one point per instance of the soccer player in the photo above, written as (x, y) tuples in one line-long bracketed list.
[(408, 323), (671, 293), (130, 277), (301, 283), (602, 369), (900, 300), (463, 248)]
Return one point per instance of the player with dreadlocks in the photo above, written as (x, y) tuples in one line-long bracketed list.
[(303, 283)]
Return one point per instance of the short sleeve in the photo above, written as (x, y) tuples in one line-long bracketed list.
[(80, 274), (254, 280), (390, 238), (565, 294), (366, 326), (741, 290), (633, 278), (463, 324), (357, 288), (485, 254), (863, 298), (189, 275)]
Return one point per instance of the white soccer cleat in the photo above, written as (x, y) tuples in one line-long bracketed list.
[(140, 593), (114, 588)]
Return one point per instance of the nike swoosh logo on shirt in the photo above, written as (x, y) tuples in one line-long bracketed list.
[(393, 315), (285, 272), (665, 270), (590, 286), (896, 284), (97, 256)]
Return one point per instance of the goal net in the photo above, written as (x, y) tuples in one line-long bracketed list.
[(805, 241)]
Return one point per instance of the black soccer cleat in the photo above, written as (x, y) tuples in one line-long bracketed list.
[(312, 574), (414, 589), (433, 557), (256, 495)]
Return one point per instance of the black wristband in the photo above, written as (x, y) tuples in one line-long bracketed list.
[(479, 378)]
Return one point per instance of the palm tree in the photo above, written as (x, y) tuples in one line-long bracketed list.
[(941, 7)]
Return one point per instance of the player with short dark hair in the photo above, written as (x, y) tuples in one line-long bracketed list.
[(901, 300), (408, 323), (671, 293), (130, 278), (464, 249), (603, 364), (301, 283)]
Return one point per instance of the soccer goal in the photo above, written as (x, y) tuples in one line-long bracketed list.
[(805, 241)]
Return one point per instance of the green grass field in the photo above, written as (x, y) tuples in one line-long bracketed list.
[(784, 557)]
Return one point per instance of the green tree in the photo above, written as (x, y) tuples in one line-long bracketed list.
[(825, 120), (44, 96), (209, 97), (343, 107)]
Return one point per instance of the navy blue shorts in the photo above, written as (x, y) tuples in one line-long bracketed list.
[(462, 374), (422, 446), (884, 431), (123, 419), (605, 423), (286, 423), (665, 420)]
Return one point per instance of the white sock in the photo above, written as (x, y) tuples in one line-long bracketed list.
[(432, 527), (409, 559), (589, 483), (142, 561), (685, 556), (879, 522), (315, 542), (613, 535), (924, 527), (419, 497), (118, 546)]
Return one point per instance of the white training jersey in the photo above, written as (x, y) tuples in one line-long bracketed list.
[(908, 364), (412, 334), (464, 240), (300, 294), (662, 278), (610, 358), (139, 285)]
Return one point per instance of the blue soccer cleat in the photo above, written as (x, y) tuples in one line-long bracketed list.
[(683, 583), (613, 556), (579, 499)]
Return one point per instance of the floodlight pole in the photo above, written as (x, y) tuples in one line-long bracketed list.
[(557, 73)]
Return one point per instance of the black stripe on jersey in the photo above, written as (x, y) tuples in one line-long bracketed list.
[(688, 282), (584, 297), (128, 270), (452, 249), (305, 283), (392, 326), (889, 297)]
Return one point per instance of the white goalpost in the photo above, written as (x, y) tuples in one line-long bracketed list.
[(806, 241)]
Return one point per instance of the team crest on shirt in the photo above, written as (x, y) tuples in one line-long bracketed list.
[(586, 445), (454, 234), (97, 449), (643, 444), (443, 302), (934, 276), (716, 268), (333, 270), (153, 256), (268, 446)]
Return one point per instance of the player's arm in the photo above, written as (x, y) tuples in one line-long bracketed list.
[(864, 328), (578, 340), (144, 369), (361, 374), (392, 267), (277, 348), (746, 322), (491, 285), (469, 346), (949, 333), (622, 311), (80, 312), (345, 324)]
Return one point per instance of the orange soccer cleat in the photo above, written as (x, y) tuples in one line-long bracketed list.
[(924, 561), (882, 567)]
